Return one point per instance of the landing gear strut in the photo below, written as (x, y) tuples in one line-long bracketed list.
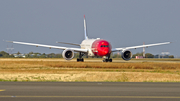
[(107, 59), (80, 59)]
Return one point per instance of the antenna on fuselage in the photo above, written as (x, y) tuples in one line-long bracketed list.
[(85, 31)]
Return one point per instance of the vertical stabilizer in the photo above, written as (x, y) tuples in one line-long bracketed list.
[(85, 31)]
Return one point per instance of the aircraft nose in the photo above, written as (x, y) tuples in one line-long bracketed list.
[(106, 51)]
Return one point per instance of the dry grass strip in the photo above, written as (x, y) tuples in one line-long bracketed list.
[(94, 76), (43, 70)]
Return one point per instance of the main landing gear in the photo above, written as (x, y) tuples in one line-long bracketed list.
[(80, 59), (107, 59)]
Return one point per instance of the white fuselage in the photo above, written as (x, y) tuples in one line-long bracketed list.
[(87, 44)]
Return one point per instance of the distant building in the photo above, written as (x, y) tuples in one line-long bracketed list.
[(139, 57), (19, 55)]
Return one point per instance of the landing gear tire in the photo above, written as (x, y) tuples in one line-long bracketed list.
[(80, 60), (104, 60), (110, 60), (107, 60)]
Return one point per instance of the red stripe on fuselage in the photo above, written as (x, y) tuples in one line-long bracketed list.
[(101, 48)]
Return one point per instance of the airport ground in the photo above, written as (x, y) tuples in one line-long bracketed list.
[(58, 79), (88, 91), (92, 70)]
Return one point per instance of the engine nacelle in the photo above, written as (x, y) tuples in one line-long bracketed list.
[(68, 54), (126, 55)]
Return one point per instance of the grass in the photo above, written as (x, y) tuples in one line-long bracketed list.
[(60, 70), (61, 64)]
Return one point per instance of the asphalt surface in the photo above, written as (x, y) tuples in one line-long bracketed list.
[(88, 91)]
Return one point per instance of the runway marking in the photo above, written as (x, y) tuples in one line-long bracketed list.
[(172, 97), (2, 90)]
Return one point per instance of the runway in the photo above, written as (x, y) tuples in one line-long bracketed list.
[(88, 91)]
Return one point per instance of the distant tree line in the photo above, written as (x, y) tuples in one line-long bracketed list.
[(4, 54), (44, 55), (149, 55)]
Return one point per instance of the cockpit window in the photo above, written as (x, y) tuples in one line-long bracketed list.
[(104, 45)]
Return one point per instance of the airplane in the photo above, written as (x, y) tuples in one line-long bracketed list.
[(92, 47)]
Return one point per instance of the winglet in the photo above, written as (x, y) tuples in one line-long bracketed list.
[(85, 31)]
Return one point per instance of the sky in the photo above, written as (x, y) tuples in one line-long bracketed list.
[(123, 23)]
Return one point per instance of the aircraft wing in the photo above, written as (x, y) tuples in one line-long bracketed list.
[(69, 43), (140, 46), (49, 46)]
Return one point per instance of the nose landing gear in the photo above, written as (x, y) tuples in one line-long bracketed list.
[(107, 59)]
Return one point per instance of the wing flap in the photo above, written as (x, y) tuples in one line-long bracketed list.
[(69, 43)]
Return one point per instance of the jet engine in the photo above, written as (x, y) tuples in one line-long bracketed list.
[(126, 54), (68, 54)]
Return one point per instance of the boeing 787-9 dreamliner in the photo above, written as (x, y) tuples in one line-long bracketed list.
[(92, 47)]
